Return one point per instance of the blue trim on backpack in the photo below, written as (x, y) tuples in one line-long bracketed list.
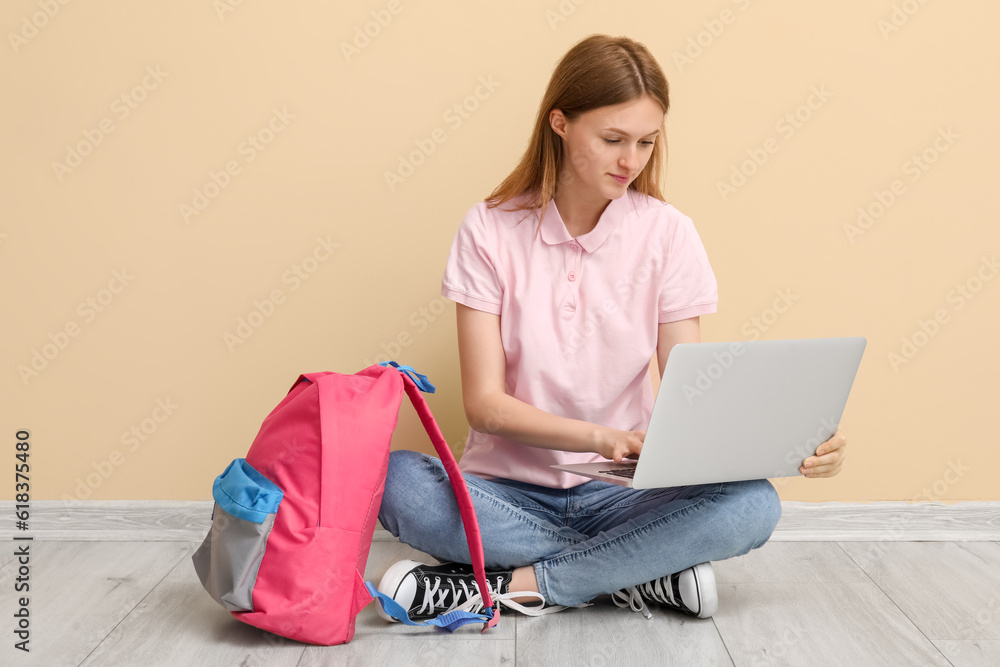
[(245, 493), (420, 380), (449, 621)]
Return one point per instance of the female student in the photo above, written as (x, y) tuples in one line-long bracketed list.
[(563, 295)]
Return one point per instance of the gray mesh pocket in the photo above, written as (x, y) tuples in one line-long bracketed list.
[(228, 560)]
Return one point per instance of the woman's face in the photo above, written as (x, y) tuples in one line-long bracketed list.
[(607, 142)]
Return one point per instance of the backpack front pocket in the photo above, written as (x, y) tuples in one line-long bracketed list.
[(227, 562)]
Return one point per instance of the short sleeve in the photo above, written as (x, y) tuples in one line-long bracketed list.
[(471, 275), (689, 287)]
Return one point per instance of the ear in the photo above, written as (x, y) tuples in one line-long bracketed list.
[(558, 122)]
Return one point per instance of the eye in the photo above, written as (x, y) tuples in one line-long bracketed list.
[(617, 141)]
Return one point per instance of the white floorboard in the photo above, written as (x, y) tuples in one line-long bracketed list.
[(791, 562), (605, 634), (819, 625), (179, 624), (79, 592), (950, 590), (971, 653), (427, 649), (882, 602)]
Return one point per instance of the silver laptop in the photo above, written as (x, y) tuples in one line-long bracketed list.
[(740, 410)]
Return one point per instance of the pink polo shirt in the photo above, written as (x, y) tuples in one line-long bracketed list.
[(578, 316)]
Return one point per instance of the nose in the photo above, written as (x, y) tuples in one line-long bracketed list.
[(630, 160)]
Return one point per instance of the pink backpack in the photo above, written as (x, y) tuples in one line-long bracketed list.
[(293, 521)]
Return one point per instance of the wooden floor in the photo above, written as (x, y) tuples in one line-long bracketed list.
[(838, 603)]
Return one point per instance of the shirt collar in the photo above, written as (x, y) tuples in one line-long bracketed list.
[(554, 229)]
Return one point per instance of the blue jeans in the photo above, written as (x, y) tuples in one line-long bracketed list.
[(584, 541)]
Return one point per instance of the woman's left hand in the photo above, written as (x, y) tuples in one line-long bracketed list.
[(828, 459)]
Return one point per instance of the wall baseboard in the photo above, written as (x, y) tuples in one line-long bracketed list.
[(189, 520)]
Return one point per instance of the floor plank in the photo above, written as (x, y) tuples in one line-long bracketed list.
[(820, 625), (416, 651), (970, 653), (177, 623), (950, 590), (787, 603), (79, 592), (7, 555), (791, 562), (604, 634)]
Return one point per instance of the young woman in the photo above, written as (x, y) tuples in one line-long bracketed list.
[(563, 296)]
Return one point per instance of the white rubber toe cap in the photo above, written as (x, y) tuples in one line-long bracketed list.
[(698, 591), (399, 584)]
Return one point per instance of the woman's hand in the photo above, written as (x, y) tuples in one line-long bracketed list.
[(614, 444), (828, 459)]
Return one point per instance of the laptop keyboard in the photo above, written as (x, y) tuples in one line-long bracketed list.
[(621, 472)]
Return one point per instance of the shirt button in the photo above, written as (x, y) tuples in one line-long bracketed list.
[(572, 275), (574, 247)]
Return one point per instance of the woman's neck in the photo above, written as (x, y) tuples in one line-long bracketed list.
[(580, 211)]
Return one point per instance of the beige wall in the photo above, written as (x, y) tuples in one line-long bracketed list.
[(167, 94)]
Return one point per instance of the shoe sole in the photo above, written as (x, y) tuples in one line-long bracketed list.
[(389, 584), (708, 594)]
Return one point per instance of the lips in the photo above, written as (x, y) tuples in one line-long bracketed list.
[(620, 179)]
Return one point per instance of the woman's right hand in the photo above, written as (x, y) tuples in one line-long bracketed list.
[(616, 445)]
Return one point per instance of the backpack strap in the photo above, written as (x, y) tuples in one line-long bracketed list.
[(449, 621), (420, 380), (472, 534)]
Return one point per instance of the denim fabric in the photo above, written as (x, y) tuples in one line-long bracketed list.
[(583, 541)]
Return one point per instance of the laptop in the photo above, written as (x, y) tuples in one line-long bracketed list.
[(740, 410)]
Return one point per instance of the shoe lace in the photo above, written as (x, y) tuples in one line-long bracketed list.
[(468, 598), (439, 599), (661, 590), (475, 603), (658, 590)]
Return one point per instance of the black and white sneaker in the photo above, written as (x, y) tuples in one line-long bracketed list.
[(426, 591), (691, 591)]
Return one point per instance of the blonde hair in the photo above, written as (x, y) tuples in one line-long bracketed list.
[(598, 71)]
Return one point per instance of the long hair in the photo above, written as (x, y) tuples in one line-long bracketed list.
[(598, 71)]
